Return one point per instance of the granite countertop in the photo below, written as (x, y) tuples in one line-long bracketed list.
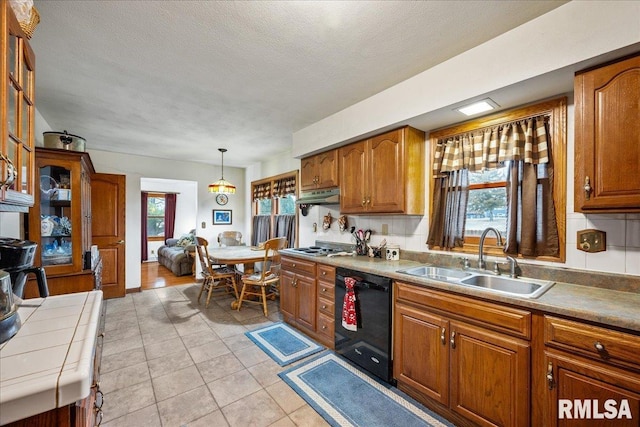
[(49, 363), (610, 307)]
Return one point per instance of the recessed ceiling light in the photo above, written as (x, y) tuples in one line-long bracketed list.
[(478, 107)]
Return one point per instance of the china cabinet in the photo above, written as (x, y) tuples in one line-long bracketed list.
[(60, 221), (607, 131), (383, 174), (319, 171), (17, 64)]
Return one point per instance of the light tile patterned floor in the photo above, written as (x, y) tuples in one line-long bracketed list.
[(167, 361)]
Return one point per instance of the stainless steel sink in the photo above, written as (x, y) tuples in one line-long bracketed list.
[(437, 273), (520, 287)]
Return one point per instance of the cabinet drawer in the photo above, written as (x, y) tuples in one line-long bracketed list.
[(326, 306), (592, 341), (500, 318), (326, 326), (326, 290), (298, 265), (327, 273)]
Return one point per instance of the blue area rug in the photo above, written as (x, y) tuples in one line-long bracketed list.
[(283, 343), (345, 396)]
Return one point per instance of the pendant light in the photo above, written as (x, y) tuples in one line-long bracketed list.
[(222, 186)]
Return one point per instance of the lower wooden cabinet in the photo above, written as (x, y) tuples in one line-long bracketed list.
[(592, 375), (461, 367)]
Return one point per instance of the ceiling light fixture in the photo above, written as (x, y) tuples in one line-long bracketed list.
[(222, 186), (478, 107)]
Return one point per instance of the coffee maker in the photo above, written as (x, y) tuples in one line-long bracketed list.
[(16, 263)]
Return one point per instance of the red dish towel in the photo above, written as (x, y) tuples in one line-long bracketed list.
[(349, 318)]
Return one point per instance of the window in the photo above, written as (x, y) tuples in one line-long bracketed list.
[(482, 167), (155, 216), (274, 209)]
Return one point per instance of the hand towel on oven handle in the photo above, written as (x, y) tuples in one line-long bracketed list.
[(349, 316)]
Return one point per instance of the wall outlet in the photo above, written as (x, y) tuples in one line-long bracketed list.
[(153, 252), (385, 229)]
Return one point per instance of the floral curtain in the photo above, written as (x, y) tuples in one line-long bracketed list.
[(262, 191), (284, 187)]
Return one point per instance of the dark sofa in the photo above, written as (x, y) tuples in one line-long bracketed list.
[(178, 255)]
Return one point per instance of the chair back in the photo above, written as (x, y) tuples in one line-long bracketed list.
[(230, 238), (272, 249), (203, 254)]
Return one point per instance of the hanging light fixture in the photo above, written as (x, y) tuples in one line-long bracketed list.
[(222, 185)]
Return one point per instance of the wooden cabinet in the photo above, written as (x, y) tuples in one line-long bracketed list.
[(588, 365), (326, 283), (60, 220), (319, 171), (17, 115), (467, 359), (298, 293), (607, 138), (383, 174)]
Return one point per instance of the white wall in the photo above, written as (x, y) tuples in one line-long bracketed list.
[(137, 167), (11, 225), (186, 206)]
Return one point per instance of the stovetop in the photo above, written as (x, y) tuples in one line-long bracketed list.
[(312, 250)]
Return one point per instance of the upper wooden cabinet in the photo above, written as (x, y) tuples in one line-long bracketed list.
[(607, 138), (383, 174), (319, 171), (17, 112)]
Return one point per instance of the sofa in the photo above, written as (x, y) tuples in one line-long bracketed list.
[(179, 255)]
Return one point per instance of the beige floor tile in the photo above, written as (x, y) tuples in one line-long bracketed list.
[(208, 351), (199, 338), (160, 335), (164, 348), (121, 360), (126, 400), (255, 410), (176, 382), (126, 344), (147, 417), (266, 373), (219, 367), (238, 342), (125, 377), (283, 422), (214, 419), (285, 396), (122, 332), (186, 407), (229, 329), (116, 322), (163, 365), (233, 387), (251, 356), (191, 325), (307, 417)]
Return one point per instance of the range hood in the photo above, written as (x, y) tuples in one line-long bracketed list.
[(319, 197)]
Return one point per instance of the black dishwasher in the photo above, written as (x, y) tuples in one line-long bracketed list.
[(370, 345)]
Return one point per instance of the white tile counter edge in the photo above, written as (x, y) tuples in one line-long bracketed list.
[(71, 382)]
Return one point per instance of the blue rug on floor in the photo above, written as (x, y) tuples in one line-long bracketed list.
[(283, 343), (346, 396)]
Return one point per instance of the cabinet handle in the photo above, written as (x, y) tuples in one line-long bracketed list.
[(599, 346), (324, 289), (324, 273), (293, 265), (453, 339), (587, 188), (364, 202), (443, 336), (324, 307), (369, 200), (324, 326), (550, 381), (294, 283)]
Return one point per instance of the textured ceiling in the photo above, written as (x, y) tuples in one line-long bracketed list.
[(178, 79)]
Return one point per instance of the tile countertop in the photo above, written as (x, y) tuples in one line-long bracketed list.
[(605, 306), (48, 364)]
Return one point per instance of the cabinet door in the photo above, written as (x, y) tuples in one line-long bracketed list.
[(308, 173), (327, 169), (489, 376), (571, 379), (288, 294), (386, 173), (607, 140), (353, 178), (306, 309), (421, 352)]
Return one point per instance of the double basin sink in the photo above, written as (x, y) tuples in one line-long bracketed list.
[(521, 287)]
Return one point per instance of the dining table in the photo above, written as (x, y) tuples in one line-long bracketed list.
[(231, 256)]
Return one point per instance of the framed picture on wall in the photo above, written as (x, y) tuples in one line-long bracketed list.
[(221, 216)]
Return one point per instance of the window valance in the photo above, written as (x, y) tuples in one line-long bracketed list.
[(262, 191), (284, 187), (488, 148)]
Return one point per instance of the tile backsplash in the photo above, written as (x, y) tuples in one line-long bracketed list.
[(410, 232)]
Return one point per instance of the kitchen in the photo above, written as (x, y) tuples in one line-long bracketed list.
[(410, 232)]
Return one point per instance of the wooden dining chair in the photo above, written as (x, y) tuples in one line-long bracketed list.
[(264, 284), (230, 238), (221, 280)]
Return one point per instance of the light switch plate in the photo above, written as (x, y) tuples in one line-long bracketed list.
[(591, 240)]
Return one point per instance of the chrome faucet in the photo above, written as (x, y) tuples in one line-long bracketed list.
[(513, 264), (481, 263)]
